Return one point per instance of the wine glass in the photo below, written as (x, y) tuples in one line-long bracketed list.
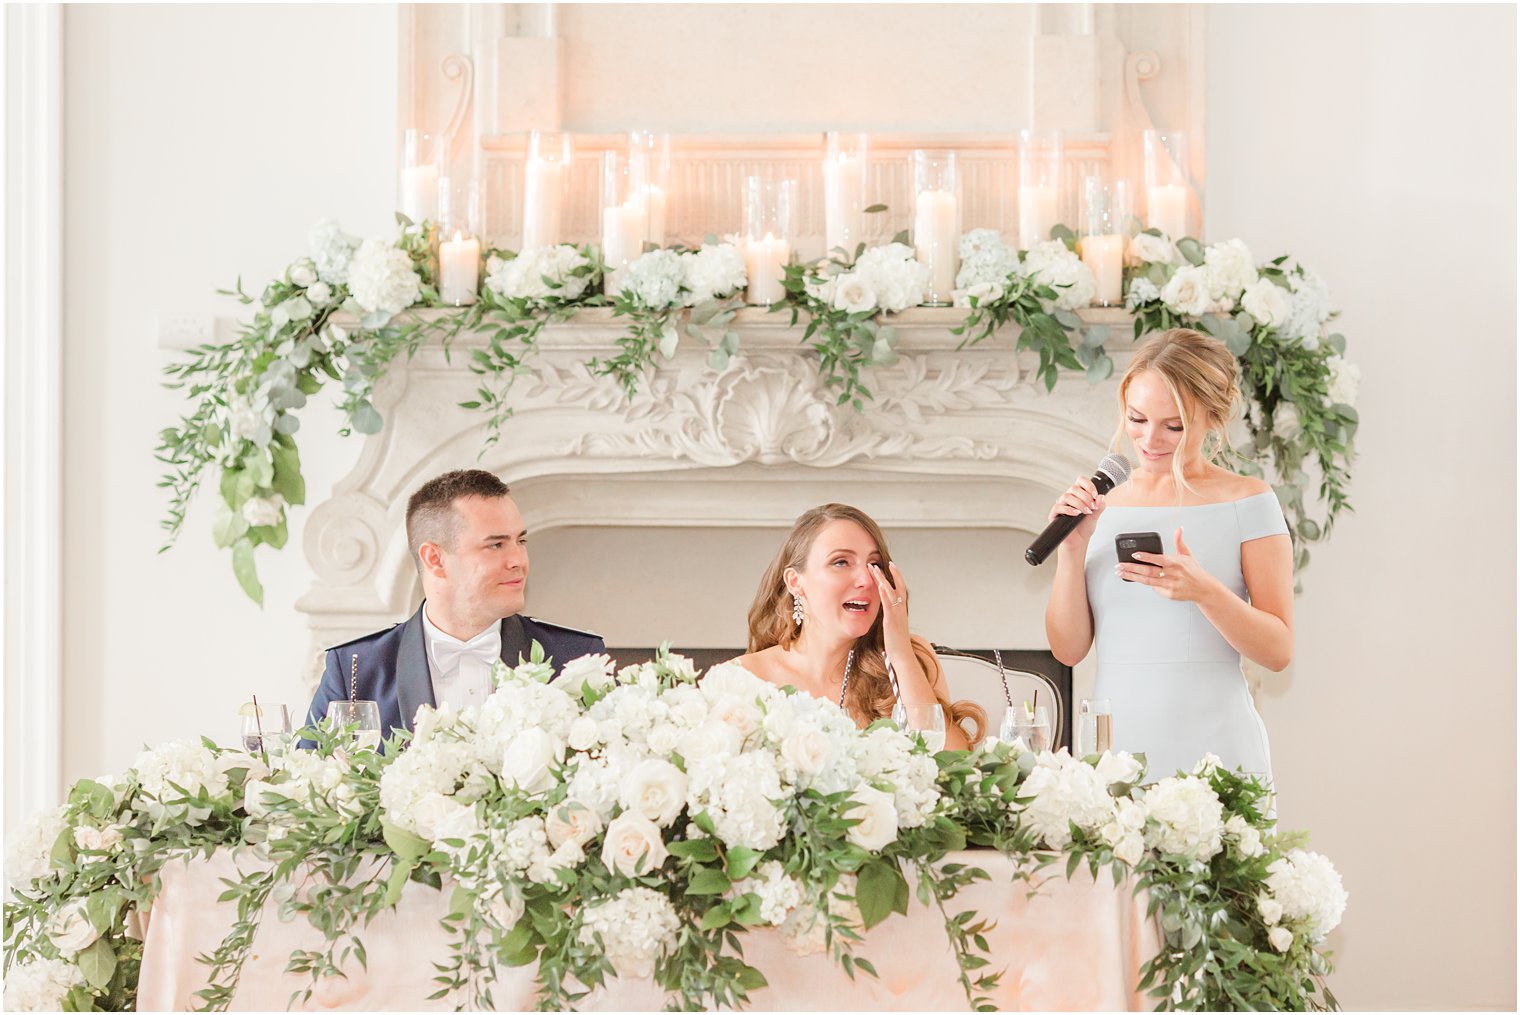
[(266, 728), (928, 721), (361, 718), (1030, 725)]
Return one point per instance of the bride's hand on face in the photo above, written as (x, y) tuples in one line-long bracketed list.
[(894, 602)]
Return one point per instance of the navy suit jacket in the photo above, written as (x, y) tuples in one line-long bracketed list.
[(393, 667)]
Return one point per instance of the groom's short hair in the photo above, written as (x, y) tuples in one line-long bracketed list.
[(430, 514)]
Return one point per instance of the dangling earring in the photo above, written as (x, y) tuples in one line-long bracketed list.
[(796, 610)]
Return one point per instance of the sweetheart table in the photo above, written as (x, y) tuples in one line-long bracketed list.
[(1063, 945)]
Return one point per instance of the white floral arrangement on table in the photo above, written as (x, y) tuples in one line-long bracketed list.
[(636, 824), (1299, 390), (671, 291)]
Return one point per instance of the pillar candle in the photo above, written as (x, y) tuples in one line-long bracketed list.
[(1105, 256), (623, 229), (1037, 214), (419, 193), (1166, 209), (543, 199), (458, 270), (843, 181), (936, 240), (764, 262)]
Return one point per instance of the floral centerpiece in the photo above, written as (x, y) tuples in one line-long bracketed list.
[(638, 824)]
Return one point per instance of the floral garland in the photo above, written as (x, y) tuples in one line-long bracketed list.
[(1299, 389), (635, 825)]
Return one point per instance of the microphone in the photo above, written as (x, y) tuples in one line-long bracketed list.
[(1113, 470)]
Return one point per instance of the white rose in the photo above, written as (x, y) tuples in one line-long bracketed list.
[(1187, 292), (1230, 270), (320, 294), (633, 845), (302, 273), (1281, 938), (260, 511), (595, 670), (1148, 248), (431, 811), (1345, 381), (1285, 421), (584, 733), (982, 292), (1266, 301), (572, 821), (807, 750), (664, 738), (654, 788), (1130, 848), (70, 929), (1118, 768), (99, 840), (460, 823), (876, 813), (506, 907), (853, 294), (529, 759), (1271, 910), (1247, 838)]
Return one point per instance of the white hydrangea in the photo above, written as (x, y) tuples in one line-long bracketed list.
[(1063, 791), (1187, 817), (1308, 887), (636, 926), (1052, 264), (1308, 307), (1187, 292), (382, 279), (804, 929), (424, 771), (895, 275), (1266, 302), (779, 893), (1345, 380), (1141, 291), (593, 783), (523, 277), (986, 263), (654, 279), (174, 771), (1285, 421), (886, 756), (1230, 270), (712, 272), (40, 985), (29, 848), (737, 792), (1126, 832), (1246, 836), (331, 250)]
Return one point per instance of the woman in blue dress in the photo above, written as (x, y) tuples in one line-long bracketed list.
[(1171, 628)]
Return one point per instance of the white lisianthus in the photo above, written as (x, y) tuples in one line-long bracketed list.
[(504, 907), (540, 274), (250, 419), (530, 759), (1270, 909), (303, 273), (1051, 263), (1188, 819), (1281, 938), (1230, 271), (1309, 888), (263, 510), (656, 789), (1285, 421), (712, 272), (382, 279), (70, 929), (571, 821), (876, 814), (1149, 248), (895, 275), (1266, 302), (982, 293), (320, 294), (594, 671), (1247, 837), (654, 279), (40, 985), (1207, 765), (1345, 381), (583, 734), (820, 288), (331, 251), (635, 927), (1125, 833), (98, 840), (853, 294), (1065, 792), (1187, 292), (664, 738), (633, 845), (28, 850), (1123, 767)]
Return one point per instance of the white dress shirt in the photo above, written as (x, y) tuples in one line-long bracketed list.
[(461, 670)]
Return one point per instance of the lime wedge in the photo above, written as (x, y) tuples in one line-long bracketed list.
[(249, 710)]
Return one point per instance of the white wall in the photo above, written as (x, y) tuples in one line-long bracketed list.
[(1377, 143)]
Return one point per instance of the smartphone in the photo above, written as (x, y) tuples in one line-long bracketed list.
[(1129, 543)]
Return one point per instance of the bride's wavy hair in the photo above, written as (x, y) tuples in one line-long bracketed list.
[(870, 691)]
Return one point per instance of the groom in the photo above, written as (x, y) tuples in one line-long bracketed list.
[(470, 546)]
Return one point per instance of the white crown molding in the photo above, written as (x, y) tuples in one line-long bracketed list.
[(32, 406)]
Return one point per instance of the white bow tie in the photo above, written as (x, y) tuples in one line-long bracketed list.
[(449, 653)]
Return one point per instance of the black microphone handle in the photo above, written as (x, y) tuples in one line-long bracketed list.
[(1061, 525)]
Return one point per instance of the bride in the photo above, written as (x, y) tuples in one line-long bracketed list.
[(831, 615)]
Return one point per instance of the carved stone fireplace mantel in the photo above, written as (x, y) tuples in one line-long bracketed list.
[(964, 438)]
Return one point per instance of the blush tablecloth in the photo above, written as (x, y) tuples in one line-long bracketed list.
[(1072, 945)]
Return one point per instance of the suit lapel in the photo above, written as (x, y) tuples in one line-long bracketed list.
[(414, 681), (515, 643)]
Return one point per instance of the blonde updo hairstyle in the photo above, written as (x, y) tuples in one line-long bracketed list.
[(870, 691), (1201, 373)]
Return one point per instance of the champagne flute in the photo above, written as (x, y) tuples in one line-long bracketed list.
[(361, 718), (928, 721)]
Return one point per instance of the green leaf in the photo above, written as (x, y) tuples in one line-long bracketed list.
[(700, 850), (365, 419), (401, 873), (246, 573), (287, 475), (406, 845), (751, 978), (270, 535), (101, 908), (741, 861), (228, 526), (1100, 370), (97, 963), (708, 881), (1190, 249), (875, 209), (881, 891)]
